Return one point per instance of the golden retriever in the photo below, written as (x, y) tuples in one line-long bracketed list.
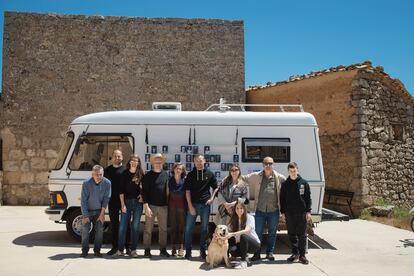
[(217, 250)]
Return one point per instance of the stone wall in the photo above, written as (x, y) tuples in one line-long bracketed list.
[(366, 129), (328, 97), (386, 129), (58, 67)]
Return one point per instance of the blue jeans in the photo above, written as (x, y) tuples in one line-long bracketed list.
[(134, 208), (98, 227), (203, 211), (272, 221)]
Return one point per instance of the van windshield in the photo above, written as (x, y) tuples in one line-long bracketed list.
[(64, 150), (96, 149)]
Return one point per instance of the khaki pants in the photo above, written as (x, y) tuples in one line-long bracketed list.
[(161, 212)]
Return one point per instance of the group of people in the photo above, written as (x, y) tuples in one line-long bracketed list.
[(179, 198)]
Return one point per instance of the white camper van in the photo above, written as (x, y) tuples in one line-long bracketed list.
[(223, 136)]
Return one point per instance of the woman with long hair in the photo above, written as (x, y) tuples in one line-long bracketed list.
[(131, 203), (242, 235), (231, 189), (176, 208)]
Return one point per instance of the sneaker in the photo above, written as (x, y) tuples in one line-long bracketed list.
[(134, 254), (164, 253), (180, 252), (128, 252), (248, 262), (292, 258), (147, 253), (97, 254), (118, 254), (270, 257), (303, 260), (111, 252), (203, 255), (255, 258), (83, 255), (188, 255)]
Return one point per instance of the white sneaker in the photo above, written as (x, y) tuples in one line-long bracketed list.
[(134, 254)]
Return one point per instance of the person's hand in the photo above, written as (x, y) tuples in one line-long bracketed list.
[(148, 212), (209, 202), (229, 235), (229, 207), (101, 218), (140, 200), (308, 216), (85, 220), (282, 217), (123, 209), (192, 210)]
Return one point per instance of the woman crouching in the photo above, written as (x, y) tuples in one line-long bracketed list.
[(242, 235)]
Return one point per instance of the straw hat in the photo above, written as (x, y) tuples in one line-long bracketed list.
[(157, 156)]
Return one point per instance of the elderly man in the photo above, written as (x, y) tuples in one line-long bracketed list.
[(96, 192), (265, 188), (155, 196)]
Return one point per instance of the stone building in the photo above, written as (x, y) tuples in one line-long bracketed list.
[(58, 67), (365, 119)]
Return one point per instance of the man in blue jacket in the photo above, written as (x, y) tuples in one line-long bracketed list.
[(96, 192), (295, 205)]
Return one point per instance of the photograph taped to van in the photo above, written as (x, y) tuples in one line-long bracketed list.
[(96, 149)]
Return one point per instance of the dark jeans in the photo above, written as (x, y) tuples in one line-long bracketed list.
[(134, 209), (177, 223), (203, 211), (296, 226), (97, 227), (271, 219), (114, 217), (246, 245)]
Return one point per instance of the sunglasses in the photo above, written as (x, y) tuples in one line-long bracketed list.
[(268, 163)]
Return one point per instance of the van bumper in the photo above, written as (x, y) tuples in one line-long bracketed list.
[(55, 214)]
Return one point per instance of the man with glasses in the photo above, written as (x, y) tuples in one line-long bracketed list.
[(265, 188), (155, 196)]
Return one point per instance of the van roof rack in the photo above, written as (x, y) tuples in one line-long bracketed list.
[(223, 107)]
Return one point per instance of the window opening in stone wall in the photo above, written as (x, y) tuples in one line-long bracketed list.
[(398, 131), (97, 150)]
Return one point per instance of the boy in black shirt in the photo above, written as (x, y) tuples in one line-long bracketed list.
[(155, 195), (295, 205), (197, 186)]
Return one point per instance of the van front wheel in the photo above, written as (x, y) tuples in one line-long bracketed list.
[(74, 225)]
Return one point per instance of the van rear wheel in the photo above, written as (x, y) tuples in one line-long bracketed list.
[(74, 225)]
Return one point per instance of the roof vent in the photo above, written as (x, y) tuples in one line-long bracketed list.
[(166, 106)]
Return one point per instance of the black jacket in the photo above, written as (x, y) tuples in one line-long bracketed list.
[(154, 188), (295, 196), (199, 182)]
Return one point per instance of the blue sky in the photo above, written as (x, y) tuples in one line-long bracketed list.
[(282, 38)]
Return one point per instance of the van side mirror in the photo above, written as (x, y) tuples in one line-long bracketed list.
[(68, 171)]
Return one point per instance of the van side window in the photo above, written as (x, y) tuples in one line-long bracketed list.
[(255, 149), (95, 149)]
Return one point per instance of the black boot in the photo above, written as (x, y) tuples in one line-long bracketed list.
[(147, 253)]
